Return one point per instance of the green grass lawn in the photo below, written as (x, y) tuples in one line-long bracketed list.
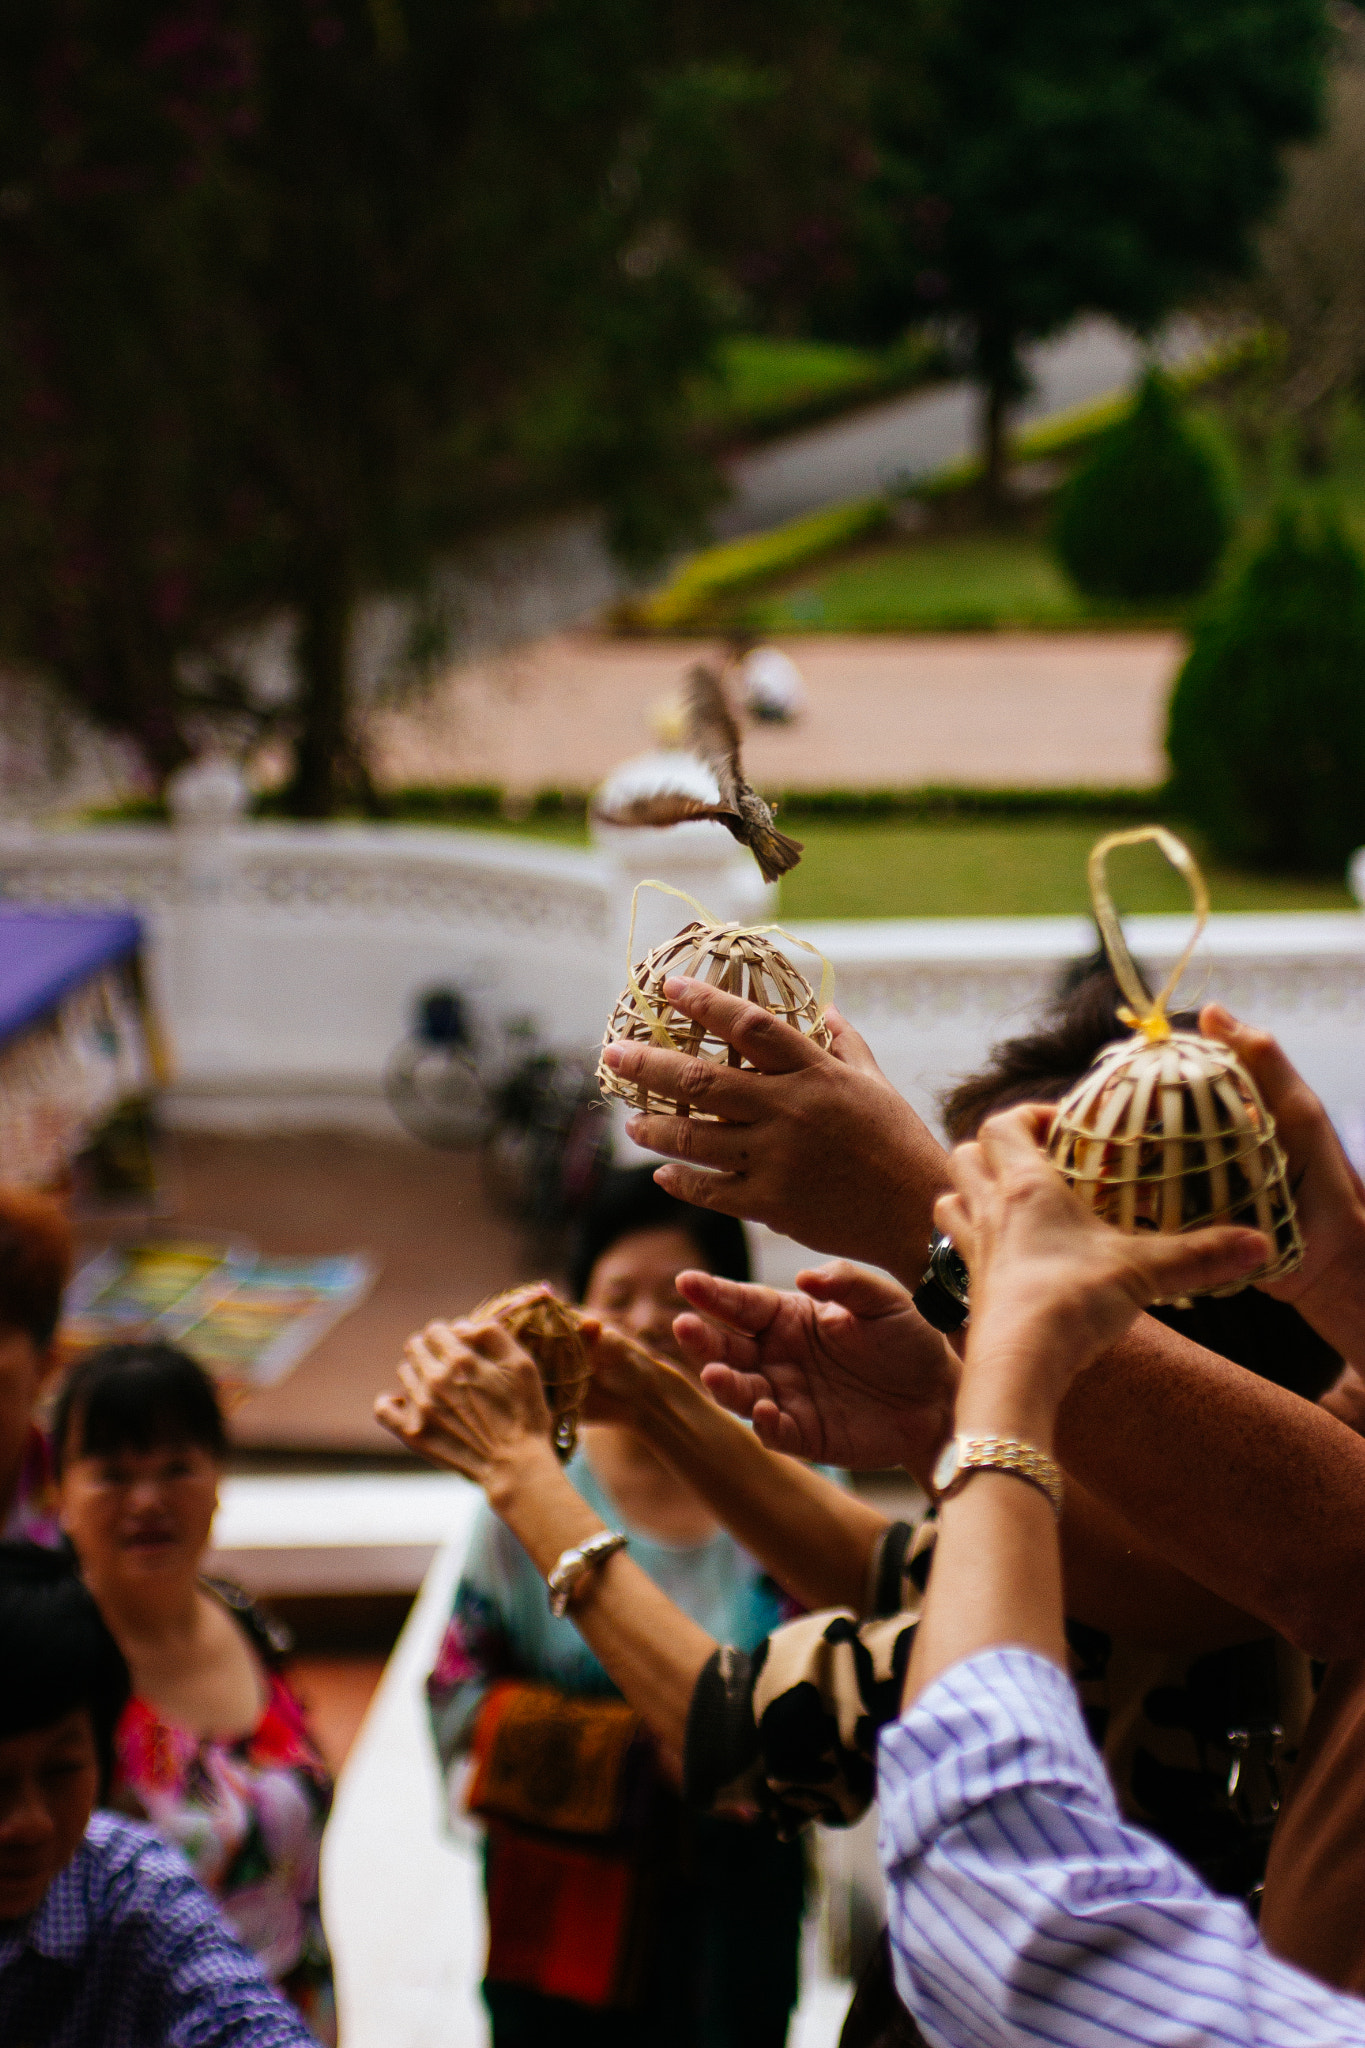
[(984, 580), (986, 867), (943, 584), (766, 382)]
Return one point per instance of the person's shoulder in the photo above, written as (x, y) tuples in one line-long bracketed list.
[(121, 1861), (270, 1638)]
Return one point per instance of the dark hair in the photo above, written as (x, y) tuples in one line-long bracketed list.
[(136, 1397), (56, 1650), (630, 1200), (35, 1262), (1269, 1338), (1040, 1065)]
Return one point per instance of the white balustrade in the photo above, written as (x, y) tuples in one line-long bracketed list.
[(285, 958)]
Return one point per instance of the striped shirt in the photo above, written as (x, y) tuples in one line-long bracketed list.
[(1023, 1908)]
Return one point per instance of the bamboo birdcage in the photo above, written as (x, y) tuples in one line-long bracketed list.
[(742, 960), (549, 1329), (1167, 1130)]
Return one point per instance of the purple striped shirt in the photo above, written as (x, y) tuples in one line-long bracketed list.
[(1024, 1909)]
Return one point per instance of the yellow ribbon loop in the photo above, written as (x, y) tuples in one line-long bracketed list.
[(1146, 1014), (658, 1030)]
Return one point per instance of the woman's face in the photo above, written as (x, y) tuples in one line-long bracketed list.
[(633, 1288), (140, 1518)]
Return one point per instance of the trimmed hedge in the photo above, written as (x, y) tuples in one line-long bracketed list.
[(472, 804), (1267, 722), (1147, 517), (708, 579)]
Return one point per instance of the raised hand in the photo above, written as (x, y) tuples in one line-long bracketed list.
[(471, 1398), (843, 1371), (1329, 1287), (817, 1144), (1052, 1286)]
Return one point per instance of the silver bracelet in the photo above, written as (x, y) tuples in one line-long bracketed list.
[(574, 1565)]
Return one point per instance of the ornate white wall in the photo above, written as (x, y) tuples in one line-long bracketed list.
[(285, 958)]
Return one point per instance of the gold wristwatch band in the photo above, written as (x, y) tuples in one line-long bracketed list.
[(963, 1455)]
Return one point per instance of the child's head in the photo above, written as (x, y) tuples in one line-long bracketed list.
[(65, 1686)]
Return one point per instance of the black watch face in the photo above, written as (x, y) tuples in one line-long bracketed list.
[(950, 1269)]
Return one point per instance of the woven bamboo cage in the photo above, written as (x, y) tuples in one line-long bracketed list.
[(549, 1329), (740, 959), (1167, 1130)]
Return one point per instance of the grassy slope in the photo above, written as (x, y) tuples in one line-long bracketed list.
[(942, 582), (765, 382)]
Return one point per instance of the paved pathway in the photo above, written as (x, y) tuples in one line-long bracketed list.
[(920, 433), (1009, 708), (551, 573)]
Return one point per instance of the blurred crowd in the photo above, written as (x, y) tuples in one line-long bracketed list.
[(1105, 1689)]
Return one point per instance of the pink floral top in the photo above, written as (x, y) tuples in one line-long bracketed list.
[(248, 1818)]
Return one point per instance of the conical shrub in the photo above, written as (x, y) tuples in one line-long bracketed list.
[(1147, 517), (1267, 722)]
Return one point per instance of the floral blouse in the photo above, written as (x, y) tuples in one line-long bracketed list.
[(248, 1818)]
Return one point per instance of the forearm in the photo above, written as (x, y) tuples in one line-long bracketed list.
[(815, 1539), (650, 1649), (1255, 1493), (997, 1576), (1346, 1400)]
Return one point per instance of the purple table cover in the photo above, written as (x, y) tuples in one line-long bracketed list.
[(44, 954)]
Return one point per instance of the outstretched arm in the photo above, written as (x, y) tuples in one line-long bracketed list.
[(472, 1400), (1052, 1288), (816, 1144), (1251, 1491), (1021, 1907), (813, 1537), (844, 1369)]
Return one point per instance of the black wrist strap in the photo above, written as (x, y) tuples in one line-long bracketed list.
[(939, 1308)]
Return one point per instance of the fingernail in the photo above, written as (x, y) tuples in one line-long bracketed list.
[(1224, 1019), (633, 1124), (613, 1055)]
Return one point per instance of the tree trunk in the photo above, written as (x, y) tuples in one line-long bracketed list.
[(994, 454), (323, 743), (1000, 376)]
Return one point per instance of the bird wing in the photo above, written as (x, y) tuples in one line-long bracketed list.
[(712, 733), (664, 807)]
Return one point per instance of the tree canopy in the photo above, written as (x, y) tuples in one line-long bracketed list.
[(1076, 155), (293, 292)]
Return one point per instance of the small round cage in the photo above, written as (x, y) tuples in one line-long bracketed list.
[(549, 1329), (1171, 1134), (1167, 1130), (742, 961)]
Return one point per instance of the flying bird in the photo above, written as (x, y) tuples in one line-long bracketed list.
[(713, 737)]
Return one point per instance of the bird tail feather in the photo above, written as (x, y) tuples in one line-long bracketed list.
[(774, 851)]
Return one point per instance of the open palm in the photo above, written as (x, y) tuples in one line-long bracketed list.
[(844, 1370)]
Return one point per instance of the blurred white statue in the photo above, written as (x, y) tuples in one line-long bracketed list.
[(771, 685)]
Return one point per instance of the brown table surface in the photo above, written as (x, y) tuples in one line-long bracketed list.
[(419, 1214)]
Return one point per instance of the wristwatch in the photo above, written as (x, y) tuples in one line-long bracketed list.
[(942, 1295), (963, 1455), (573, 1566)]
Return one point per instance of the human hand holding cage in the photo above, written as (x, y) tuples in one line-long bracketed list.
[(1166, 1130)]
